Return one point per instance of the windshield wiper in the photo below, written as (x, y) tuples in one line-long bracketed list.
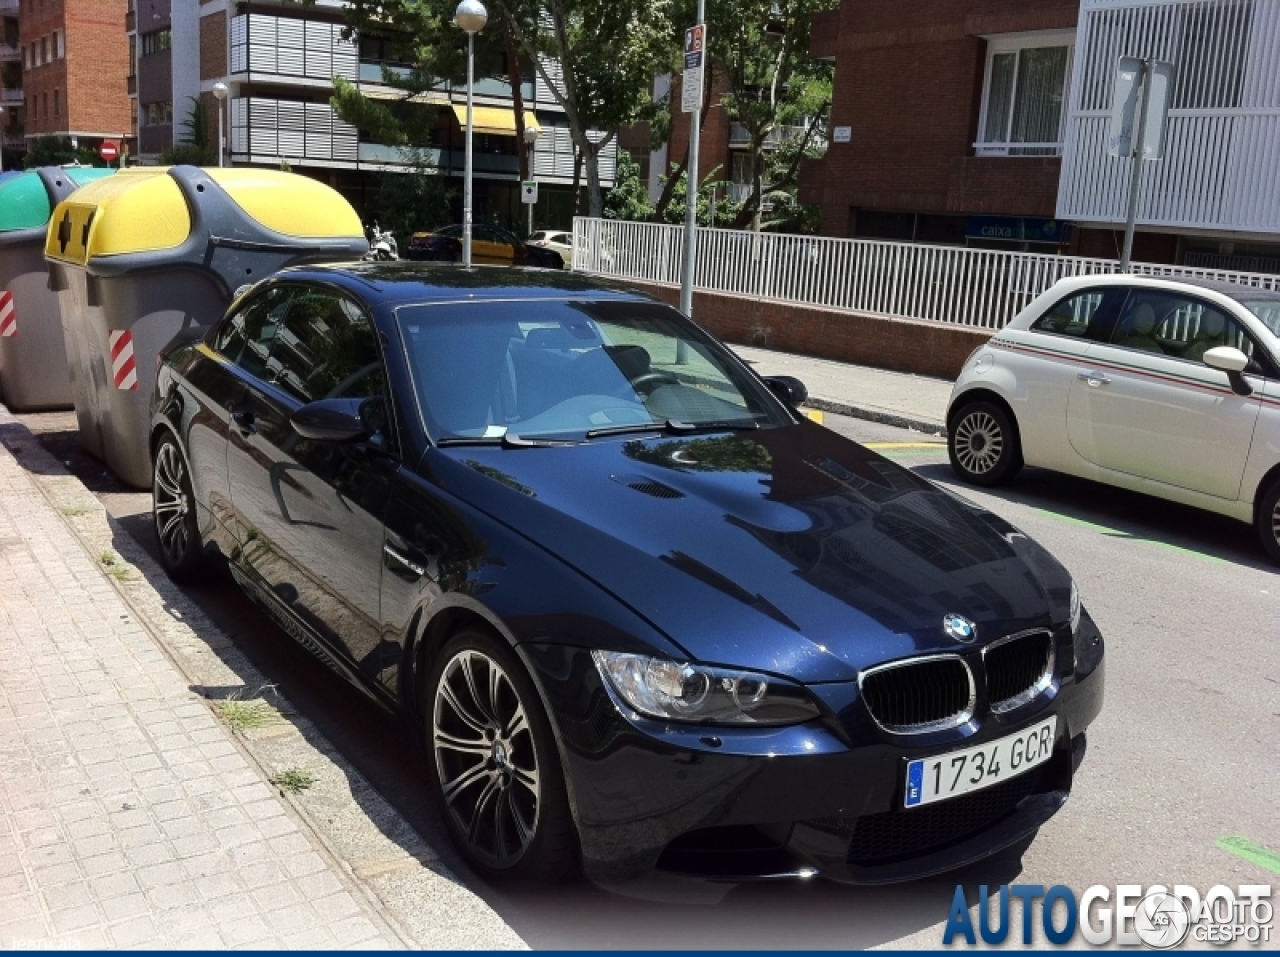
[(509, 440), (676, 426)]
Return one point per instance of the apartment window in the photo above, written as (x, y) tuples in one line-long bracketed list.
[(59, 44), (1213, 46), (1024, 95), (44, 49), (57, 102), (156, 42), (158, 114)]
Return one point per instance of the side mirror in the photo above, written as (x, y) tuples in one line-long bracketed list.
[(332, 420), (787, 388), (1233, 362)]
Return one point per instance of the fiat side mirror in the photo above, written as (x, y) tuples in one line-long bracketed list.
[(331, 420), (1233, 362), (787, 388)]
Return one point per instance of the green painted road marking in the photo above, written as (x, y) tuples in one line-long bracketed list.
[(1116, 533), (1253, 853)]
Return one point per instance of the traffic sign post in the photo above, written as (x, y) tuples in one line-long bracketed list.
[(695, 47), (1141, 97)]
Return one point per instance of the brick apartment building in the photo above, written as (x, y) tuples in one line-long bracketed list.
[(74, 66), (150, 40), (12, 103), (981, 123)]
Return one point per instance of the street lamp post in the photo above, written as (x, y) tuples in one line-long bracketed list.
[(531, 135), (220, 92), (470, 16)]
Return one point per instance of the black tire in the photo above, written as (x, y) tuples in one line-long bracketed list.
[(1268, 521), (507, 808), (983, 444), (173, 510)]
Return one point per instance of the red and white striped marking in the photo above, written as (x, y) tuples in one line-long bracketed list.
[(8, 317), (124, 371)]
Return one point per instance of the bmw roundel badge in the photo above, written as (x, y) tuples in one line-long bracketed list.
[(961, 629)]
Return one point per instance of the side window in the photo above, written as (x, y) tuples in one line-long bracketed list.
[(245, 338), (326, 348), (1177, 327), (1076, 316)]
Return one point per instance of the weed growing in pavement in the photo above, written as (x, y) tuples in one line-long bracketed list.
[(243, 715), (73, 511), (114, 567), (293, 780)]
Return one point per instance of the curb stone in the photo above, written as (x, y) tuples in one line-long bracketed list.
[(927, 426), (378, 855)]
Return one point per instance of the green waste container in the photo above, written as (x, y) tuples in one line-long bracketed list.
[(33, 356), (152, 252)]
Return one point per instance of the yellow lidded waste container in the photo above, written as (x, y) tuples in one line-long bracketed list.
[(151, 252)]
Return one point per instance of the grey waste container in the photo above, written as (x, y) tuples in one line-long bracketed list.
[(151, 252), (33, 357)]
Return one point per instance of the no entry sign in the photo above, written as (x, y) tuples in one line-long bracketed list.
[(109, 150)]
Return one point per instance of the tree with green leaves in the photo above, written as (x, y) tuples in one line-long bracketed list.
[(607, 54), (779, 94), (58, 151), (194, 149)]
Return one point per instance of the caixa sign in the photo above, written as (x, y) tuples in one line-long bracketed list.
[(1127, 915)]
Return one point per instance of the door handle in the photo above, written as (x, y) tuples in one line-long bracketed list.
[(396, 555), (244, 422), (1094, 379)]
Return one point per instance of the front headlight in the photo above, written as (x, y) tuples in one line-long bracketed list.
[(697, 694), (1075, 608)]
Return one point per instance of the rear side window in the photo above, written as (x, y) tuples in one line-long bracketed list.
[(245, 338), (1078, 316)]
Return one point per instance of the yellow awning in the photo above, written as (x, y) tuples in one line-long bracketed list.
[(495, 120)]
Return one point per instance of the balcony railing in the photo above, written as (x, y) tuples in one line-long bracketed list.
[(1018, 149), (9, 51), (12, 96), (740, 137), (371, 71), (8, 8)]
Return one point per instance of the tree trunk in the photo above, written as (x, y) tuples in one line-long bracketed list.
[(595, 193), (517, 99), (669, 189), (757, 190)]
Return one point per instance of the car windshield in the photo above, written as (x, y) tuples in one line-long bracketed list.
[(1268, 310), (572, 369)]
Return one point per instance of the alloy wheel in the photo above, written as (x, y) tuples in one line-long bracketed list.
[(1275, 522), (172, 503), (979, 442), (485, 758)]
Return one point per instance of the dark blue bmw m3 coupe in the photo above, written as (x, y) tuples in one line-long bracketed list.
[(641, 611)]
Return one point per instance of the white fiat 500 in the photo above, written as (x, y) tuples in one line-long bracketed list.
[(1170, 387)]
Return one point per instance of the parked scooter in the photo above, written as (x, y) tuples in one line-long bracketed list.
[(382, 245)]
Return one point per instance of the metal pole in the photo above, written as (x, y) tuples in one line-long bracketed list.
[(691, 192), (220, 136), (466, 174), (531, 177), (1135, 175)]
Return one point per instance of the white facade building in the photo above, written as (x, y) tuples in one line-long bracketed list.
[(1218, 185), (279, 60)]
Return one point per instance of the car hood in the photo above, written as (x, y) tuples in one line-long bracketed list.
[(789, 550)]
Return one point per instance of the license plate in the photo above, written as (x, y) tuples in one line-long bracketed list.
[(960, 772)]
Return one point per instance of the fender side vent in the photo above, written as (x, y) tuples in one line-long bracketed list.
[(647, 486)]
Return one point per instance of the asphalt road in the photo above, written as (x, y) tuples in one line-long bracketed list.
[(1187, 750)]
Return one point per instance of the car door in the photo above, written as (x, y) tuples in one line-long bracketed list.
[(313, 511), (216, 379), (1042, 361), (1144, 404), (487, 247)]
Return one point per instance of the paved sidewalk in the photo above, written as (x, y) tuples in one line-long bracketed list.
[(128, 816), (894, 398)]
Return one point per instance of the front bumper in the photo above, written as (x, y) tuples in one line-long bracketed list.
[(824, 797)]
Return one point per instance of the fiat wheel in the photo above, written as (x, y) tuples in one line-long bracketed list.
[(983, 444), (496, 767), (174, 511), (1268, 521)]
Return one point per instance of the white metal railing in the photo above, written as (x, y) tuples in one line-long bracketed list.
[(1018, 149), (952, 284)]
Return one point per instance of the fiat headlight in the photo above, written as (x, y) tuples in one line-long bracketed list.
[(697, 694)]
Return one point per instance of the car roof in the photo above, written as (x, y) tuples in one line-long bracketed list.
[(402, 281), (1234, 290)]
